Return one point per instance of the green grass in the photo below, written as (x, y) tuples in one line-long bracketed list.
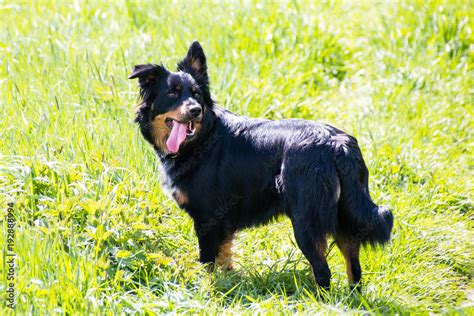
[(96, 234)]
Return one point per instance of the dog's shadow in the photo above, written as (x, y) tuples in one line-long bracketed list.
[(294, 286)]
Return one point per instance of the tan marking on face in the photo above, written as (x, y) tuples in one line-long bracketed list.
[(180, 197), (224, 255), (198, 126), (160, 131)]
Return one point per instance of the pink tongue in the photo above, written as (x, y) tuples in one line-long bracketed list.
[(177, 136)]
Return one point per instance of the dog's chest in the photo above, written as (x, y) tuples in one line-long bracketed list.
[(174, 189)]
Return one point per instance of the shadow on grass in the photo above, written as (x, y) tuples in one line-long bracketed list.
[(296, 286)]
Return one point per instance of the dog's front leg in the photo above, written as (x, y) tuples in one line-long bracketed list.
[(209, 239), (215, 243)]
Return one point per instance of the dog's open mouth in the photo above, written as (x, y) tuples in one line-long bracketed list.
[(179, 133), (190, 127)]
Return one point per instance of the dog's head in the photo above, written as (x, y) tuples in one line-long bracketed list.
[(174, 104)]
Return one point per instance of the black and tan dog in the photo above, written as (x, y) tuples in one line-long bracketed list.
[(230, 172)]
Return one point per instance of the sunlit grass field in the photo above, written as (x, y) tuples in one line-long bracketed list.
[(96, 234)]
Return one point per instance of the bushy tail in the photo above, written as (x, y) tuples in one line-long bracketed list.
[(359, 217)]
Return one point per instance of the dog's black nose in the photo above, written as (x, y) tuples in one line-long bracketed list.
[(195, 110)]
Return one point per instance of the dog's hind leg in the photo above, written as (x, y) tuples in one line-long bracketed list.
[(314, 251), (310, 185), (350, 249), (311, 239)]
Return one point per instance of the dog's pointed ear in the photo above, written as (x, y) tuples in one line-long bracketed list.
[(147, 73), (195, 61)]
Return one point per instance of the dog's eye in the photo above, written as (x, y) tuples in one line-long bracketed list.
[(172, 94), (197, 96)]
